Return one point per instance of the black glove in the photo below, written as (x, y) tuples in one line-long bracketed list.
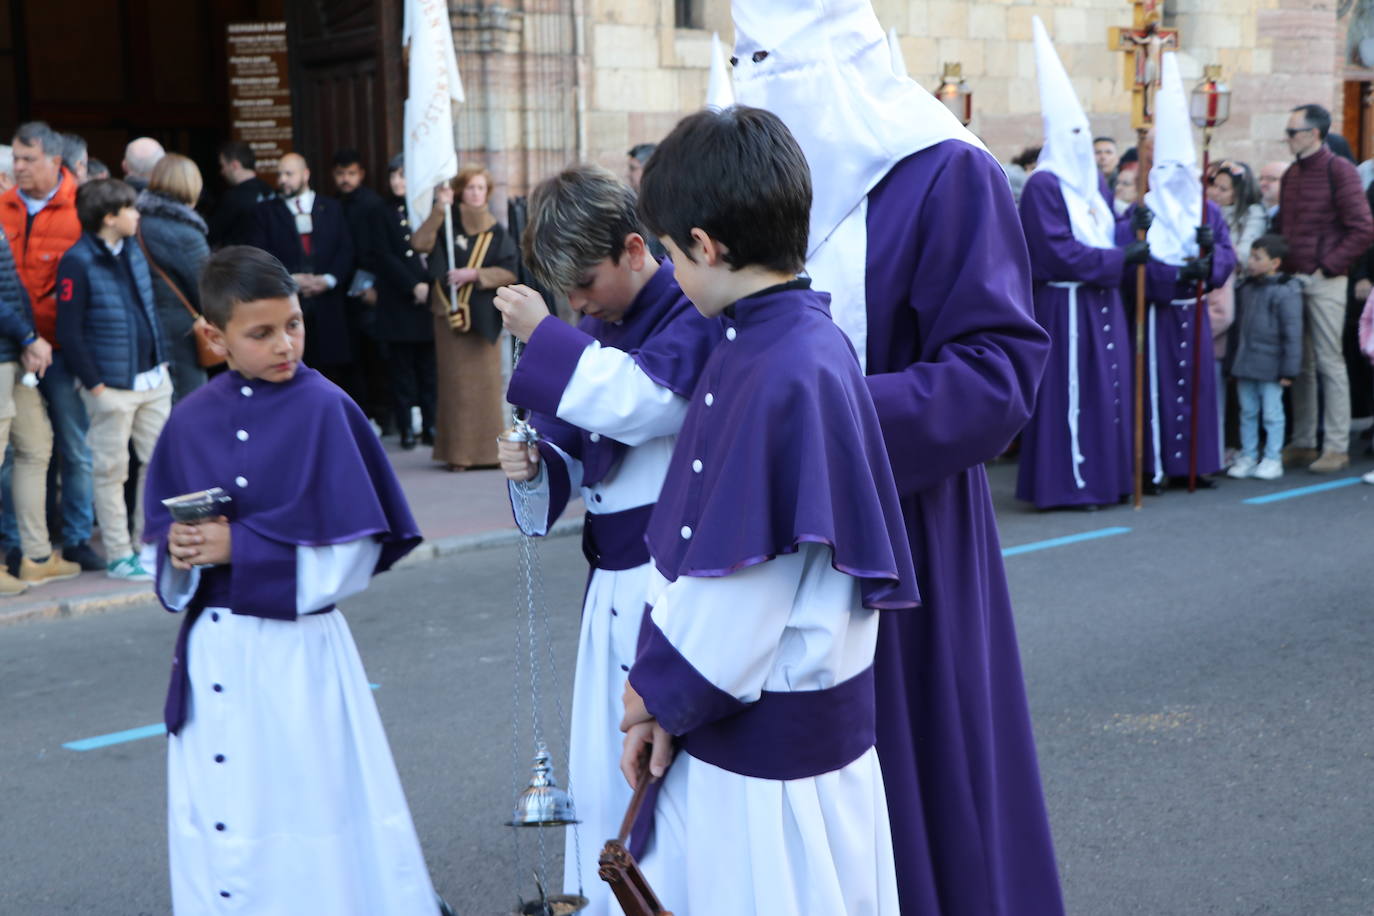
[(1196, 270), (1141, 218), (1137, 253), (1206, 239)]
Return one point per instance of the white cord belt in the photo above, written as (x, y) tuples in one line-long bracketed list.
[(1076, 456)]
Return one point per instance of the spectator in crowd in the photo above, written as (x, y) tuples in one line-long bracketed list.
[(1326, 220), (1266, 353), (95, 168), (75, 157), (1124, 190), (1020, 168), (1270, 177), (466, 328), (173, 237), (6, 168), (24, 426), (1106, 156), (634, 163), (232, 222), (404, 324), (107, 324), (39, 216), (367, 220), (1358, 369), (306, 232), (1341, 147), (139, 158)]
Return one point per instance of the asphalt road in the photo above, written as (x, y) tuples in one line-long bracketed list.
[(1201, 684)]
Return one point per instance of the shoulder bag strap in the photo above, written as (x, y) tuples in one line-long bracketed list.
[(176, 290)]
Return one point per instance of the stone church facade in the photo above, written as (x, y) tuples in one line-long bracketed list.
[(550, 81)]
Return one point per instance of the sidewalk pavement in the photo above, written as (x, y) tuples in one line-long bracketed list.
[(456, 511)]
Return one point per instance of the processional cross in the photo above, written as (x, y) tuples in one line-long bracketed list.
[(1145, 42)]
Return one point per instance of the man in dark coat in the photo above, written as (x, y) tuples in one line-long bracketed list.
[(307, 232), (402, 322), (368, 223), (232, 222)]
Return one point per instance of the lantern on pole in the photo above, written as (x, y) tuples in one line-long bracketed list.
[(955, 93), (1209, 106)]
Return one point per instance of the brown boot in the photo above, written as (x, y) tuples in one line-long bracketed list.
[(1330, 463), (10, 586), (53, 569), (1297, 456)]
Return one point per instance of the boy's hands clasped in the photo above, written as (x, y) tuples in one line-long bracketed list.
[(205, 544), (521, 310), (642, 734)]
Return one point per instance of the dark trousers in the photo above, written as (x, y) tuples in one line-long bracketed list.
[(410, 368)]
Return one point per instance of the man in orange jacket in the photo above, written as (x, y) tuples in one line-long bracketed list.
[(39, 216)]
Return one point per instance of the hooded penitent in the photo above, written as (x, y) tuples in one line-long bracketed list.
[(719, 91), (1068, 150), (1175, 195), (825, 67)]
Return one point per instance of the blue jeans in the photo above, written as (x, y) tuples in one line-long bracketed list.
[(1255, 396)]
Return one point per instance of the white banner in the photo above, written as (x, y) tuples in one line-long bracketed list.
[(434, 86)]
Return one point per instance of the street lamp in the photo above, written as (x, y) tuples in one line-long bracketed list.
[(1209, 105), (955, 93)]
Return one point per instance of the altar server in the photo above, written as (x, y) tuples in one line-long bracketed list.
[(777, 544), (584, 239), (282, 795)]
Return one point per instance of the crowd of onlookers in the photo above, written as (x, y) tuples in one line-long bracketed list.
[(1314, 276), (99, 306)]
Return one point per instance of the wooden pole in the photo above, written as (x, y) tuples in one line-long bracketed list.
[(1142, 185), (1198, 315)]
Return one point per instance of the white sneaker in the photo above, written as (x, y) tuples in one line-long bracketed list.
[(1269, 469), (1243, 467), (129, 569), (1368, 478)]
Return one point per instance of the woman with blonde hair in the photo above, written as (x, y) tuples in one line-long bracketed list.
[(467, 326), (173, 236)]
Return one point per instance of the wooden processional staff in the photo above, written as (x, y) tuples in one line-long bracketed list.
[(1145, 43)]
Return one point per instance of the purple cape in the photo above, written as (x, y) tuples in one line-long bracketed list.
[(304, 470), (662, 331), (780, 446), (954, 356), (1100, 362)]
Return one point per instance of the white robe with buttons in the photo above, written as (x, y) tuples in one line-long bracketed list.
[(731, 845), (283, 798), (646, 418)]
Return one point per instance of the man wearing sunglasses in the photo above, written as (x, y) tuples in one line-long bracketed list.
[(1326, 220)]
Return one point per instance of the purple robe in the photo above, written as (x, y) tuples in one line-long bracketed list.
[(954, 357), (1174, 310), (661, 330), (1097, 371), (304, 470), (781, 446)]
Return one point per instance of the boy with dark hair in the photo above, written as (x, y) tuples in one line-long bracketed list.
[(111, 336), (282, 793), (776, 542), (1264, 355), (584, 239)]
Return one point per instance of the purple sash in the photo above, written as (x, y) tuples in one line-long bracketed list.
[(615, 541)]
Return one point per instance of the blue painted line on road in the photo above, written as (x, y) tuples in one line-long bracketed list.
[(132, 734), (1064, 541), (129, 734), (1301, 491)]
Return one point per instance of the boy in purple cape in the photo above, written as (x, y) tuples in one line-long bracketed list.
[(282, 794), (584, 239), (776, 544)]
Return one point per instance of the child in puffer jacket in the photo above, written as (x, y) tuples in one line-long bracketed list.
[(1265, 355)]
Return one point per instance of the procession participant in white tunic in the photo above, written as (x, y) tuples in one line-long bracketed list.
[(584, 240), (283, 798), (776, 543)]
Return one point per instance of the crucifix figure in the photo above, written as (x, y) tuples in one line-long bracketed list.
[(1145, 41)]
